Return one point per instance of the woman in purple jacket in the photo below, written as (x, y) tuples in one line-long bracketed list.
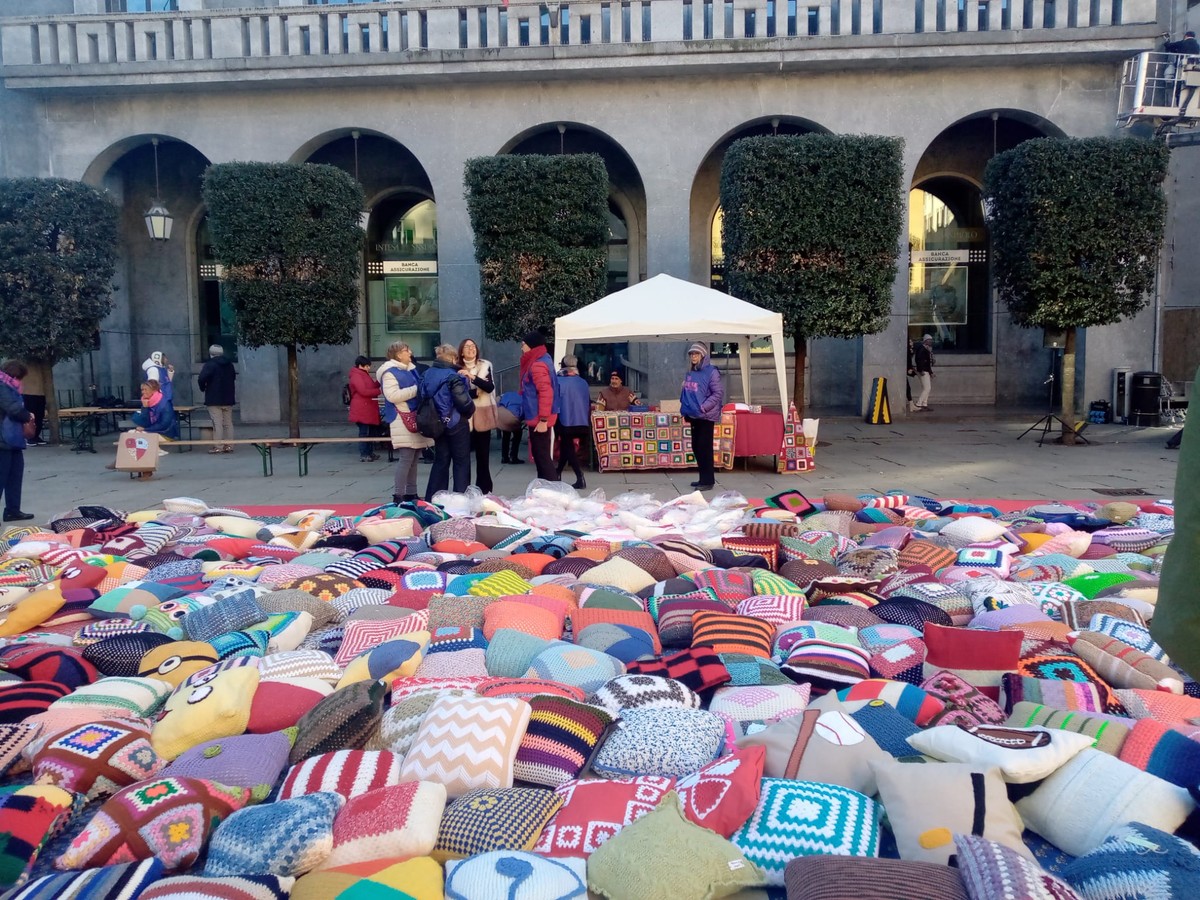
[(700, 403)]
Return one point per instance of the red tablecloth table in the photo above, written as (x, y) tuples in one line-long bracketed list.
[(758, 434)]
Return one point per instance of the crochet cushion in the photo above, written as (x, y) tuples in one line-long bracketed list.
[(13, 740), (244, 760), (559, 740), (826, 664), (167, 818), (21, 699), (624, 642), (675, 613), (487, 819), (745, 671), (1157, 748), (39, 662), (98, 759), (928, 804), (286, 838), (119, 696), (836, 878), (574, 665), (910, 701), (1137, 861), (764, 703), (29, 818), (394, 658), (1063, 666), (116, 882), (1081, 696), (217, 706), (361, 635), (489, 876), (344, 772), (1108, 733), (669, 742), (663, 854), (964, 703), (466, 743), (233, 887), (583, 618), (979, 657), (644, 692), (1021, 754), (174, 662), (992, 871), (343, 720), (520, 616), (732, 633), (803, 818), (400, 821), (420, 878), (1124, 666), (721, 795), (594, 810), (119, 654), (281, 704), (1079, 805)]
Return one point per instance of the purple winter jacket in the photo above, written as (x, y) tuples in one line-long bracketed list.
[(702, 396)]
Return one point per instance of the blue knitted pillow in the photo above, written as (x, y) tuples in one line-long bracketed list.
[(287, 837), (1137, 861)]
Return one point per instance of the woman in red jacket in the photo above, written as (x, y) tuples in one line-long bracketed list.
[(364, 406)]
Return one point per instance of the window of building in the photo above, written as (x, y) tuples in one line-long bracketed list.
[(217, 320), (949, 288), (618, 250), (585, 29), (402, 276), (140, 6), (687, 20)]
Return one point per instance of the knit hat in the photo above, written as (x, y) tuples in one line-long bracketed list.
[(533, 339), (570, 361), (698, 348)]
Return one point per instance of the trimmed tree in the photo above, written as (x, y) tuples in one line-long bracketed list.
[(58, 250), (541, 237), (812, 230), (1076, 226), (288, 236)]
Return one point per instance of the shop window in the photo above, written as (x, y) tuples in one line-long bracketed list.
[(217, 320), (402, 276)]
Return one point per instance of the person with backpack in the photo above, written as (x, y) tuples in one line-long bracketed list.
[(444, 392), (364, 406), (400, 384), (539, 402)]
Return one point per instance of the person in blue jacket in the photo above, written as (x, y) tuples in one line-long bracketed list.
[(700, 403), (574, 414), (13, 416), (452, 399), (157, 413), (508, 414)]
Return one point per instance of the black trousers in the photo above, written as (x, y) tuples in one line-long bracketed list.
[(481, 445), (702, 447), (510, 444), (543, 457), (452, 449), (567, 435), (12, 473)]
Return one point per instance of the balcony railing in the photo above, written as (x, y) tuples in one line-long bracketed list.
[(365, 32)]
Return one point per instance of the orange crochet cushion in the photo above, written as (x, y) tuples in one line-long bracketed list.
[(521, 617), (596, 552), (552, 604), (582, 618), (731, 633), (535, 562), (1033, 539), (558, 592)]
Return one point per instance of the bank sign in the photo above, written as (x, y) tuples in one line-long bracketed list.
[(410, 267), (940, 257)]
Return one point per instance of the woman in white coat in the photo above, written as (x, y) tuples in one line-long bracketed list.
[(398, 378)]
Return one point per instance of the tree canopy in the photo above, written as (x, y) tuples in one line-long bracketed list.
[(58, 250), (812, 227), (541, 237), (1076, 227)]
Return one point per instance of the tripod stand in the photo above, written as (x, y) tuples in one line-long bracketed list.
[(1046, 422)]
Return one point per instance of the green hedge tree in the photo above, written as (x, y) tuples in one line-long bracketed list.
[(288, 236), (541, 237), (1076, 226), (58, 251), (812, 230)]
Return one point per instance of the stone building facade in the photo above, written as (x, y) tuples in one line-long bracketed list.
[(401, 94)]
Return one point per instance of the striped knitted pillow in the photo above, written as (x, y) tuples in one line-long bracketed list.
[(732, 633), (344, 772), (559, 740)]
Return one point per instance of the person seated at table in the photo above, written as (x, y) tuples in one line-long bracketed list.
[(157, 414), (616, 397)]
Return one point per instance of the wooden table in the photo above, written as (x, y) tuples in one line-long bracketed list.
[(88, 421)]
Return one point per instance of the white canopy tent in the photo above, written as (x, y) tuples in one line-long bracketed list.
[(663, 308)]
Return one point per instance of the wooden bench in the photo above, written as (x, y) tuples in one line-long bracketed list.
[(265, 446)]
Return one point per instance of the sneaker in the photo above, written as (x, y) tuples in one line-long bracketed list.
[(36, 442)]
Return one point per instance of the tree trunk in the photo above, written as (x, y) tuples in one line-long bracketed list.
[(293, 392), (801, 359), (1068, 389), (51, 400)]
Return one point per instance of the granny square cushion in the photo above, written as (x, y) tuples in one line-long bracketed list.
[(992, 871), (1137, 861), (1083, 802), (663, 854), (287, 837), (721, 795), (595, 809), (803, 818), (167, 818), (670, 742), (837, 878), (400, 821), (98, 759), (466, 743), (1021, 754), (243, 760), (488, 876), (343, 720), (29, 818), (489, 819), (927, 804), (644, 692), (344, 772), (217, 706), (108, 883), (560, 738)]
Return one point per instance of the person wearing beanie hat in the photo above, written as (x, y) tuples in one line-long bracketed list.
[(923, 363), (158, 368), (573, 419), (539, 402), (216, 379), (700, 403), (616, 397)]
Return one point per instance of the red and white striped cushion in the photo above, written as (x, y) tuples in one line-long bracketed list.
[(345, 772)]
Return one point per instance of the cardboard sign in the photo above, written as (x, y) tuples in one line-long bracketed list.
[(137, 451)]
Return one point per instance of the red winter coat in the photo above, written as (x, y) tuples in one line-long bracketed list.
[(364, 408)]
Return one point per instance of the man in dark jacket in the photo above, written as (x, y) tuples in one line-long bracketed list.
[(1188, 45), (574, 418), (216, 380), (539, 402), (448, 388), (700, 403)]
